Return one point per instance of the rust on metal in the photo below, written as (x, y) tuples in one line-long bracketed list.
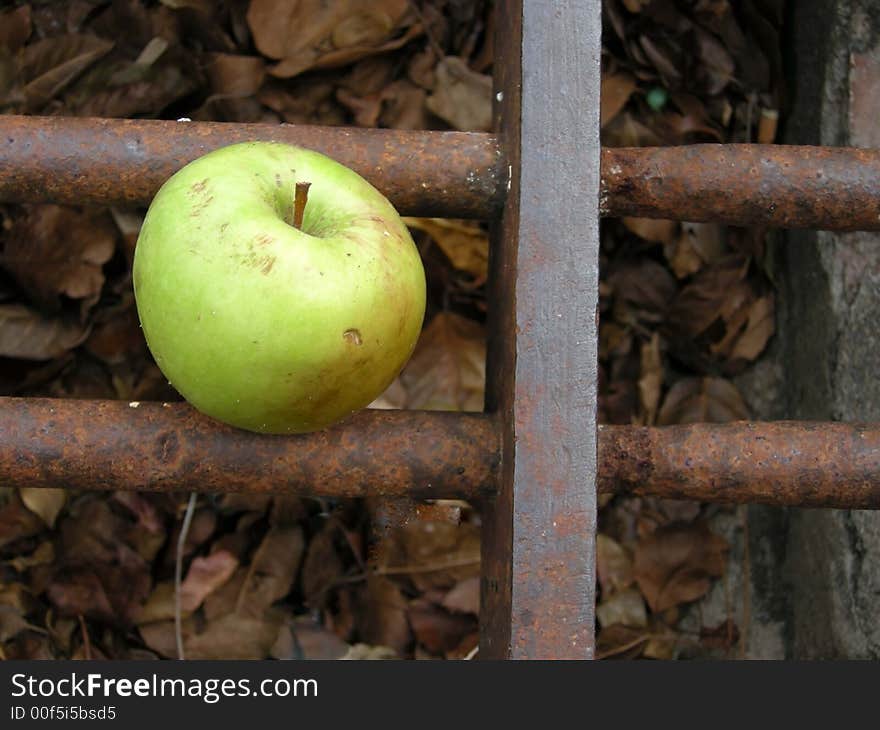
[(774, 185), (538, 537), (404, 455), (778, 463), (123, 161), (94, 445)]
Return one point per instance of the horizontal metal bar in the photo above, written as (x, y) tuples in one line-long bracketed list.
[(454, 174), (123, 161), (93, 445), (801, 464), (780, 186)]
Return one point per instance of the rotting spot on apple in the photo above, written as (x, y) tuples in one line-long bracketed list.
[(293, 290)]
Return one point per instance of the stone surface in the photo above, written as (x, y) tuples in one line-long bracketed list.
[(806, 583), (830, 336)]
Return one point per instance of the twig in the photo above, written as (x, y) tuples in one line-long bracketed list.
[(406, 570), (178, 573)]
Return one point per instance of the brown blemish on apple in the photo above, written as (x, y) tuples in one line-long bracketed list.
[(263, 239), (224, 227), (199, 187), (313, 403), (404, 315), (200, 206), (353, 336), (263, 263)]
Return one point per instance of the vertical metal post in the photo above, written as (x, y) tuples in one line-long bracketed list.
[(539, 533)]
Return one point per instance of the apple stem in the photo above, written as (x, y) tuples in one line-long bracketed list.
[(299, 203)]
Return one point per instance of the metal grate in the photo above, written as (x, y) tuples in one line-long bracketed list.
[(536, 458)]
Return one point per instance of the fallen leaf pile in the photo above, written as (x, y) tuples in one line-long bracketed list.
[(684, 307)]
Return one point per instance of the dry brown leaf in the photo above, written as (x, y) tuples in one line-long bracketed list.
[(235, 76), (305, 34), (51, 64), (367, 652), (403, 106), (626, 607), (228, 637), (322, 566), (204, 577), (224, 599), (652, 229), (677, 562), (617, 88), (758, 330), (116, 336), (651, 379), (722, 637), (437, 630), (642, 290), (464, 597), (15, 28), (447, 371), (202, 6), (27, 334), (56, 251), (98, 573), (16, 522), (717, 68), (305, 639), (702, 400), (46, 503), (462, 98), (698, 244), (715, 293), (144, 91), (81, 593), (304, 101), (43, 555), (272, 570), (626, 130), (11, 623), (613, 565), (434, 554), (382, 614), (662, 643), (621, 642), (465, 243)]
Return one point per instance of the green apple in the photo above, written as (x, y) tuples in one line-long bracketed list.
[(264, 325)]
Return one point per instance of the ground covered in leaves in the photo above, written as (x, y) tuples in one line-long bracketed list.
[(684, 308)]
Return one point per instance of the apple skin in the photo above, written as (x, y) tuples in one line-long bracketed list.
[(264, 326)]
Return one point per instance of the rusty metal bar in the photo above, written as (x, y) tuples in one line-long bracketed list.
[(119, 162), (782, 463), (91, 445), (538, 536), (745, 185), (124, 161), (83, 444)]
